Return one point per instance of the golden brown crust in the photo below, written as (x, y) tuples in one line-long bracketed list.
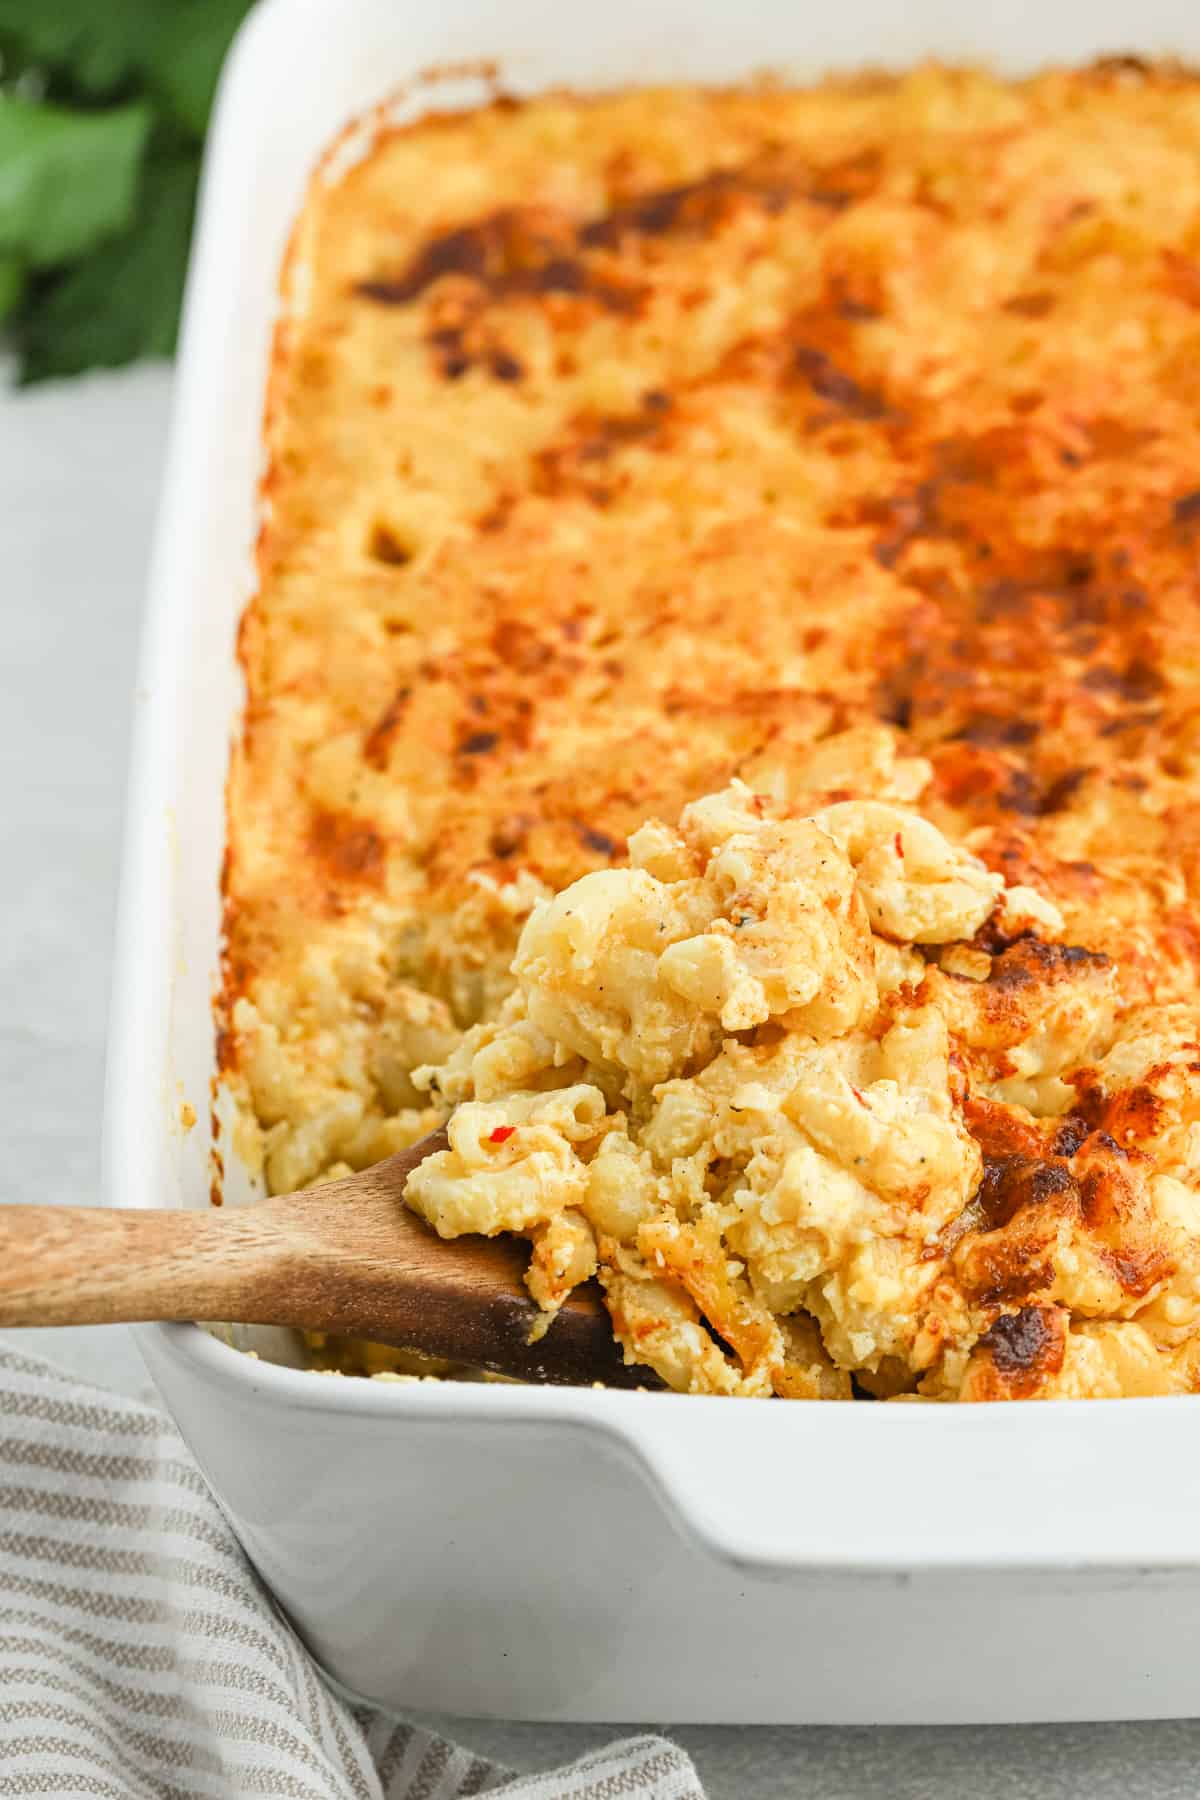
[(621, 447)]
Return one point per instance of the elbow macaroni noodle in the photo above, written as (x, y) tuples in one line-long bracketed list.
[(702, 1090)]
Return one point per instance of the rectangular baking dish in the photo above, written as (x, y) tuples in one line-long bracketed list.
[(589, 1555)]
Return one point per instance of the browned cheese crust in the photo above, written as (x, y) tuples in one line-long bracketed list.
[(620, 447)]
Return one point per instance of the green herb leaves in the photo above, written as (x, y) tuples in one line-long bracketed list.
[(68, 179), (122, 302), (102, 116)]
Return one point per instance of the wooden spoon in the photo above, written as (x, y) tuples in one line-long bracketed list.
[(348, 1257)]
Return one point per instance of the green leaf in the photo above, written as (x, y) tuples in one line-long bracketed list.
[(190, 48), (98, 180), (102, 48), (67, 180), (122, 302), (96, 44), (12, 284)]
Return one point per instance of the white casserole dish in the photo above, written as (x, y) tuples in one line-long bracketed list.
[(590, 1555)]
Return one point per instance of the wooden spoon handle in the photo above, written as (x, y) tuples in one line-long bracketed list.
[(84, 1265), (257, 1265), (346, 1257)]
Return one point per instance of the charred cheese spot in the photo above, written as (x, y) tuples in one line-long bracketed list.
[(1023, 1349), (348, 850)]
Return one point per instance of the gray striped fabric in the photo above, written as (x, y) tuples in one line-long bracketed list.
[(139, 1655)]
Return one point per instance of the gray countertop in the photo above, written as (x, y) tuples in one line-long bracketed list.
[(79, 467)]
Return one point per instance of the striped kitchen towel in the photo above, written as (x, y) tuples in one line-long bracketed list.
[(141, 1657)]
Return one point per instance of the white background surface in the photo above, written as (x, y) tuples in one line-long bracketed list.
[(78, 477)]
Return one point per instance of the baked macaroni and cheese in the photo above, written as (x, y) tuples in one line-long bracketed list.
[(723, 721)]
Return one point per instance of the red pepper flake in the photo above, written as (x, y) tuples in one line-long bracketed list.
[(858, 1096), (899, 847), (501, 1134)]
